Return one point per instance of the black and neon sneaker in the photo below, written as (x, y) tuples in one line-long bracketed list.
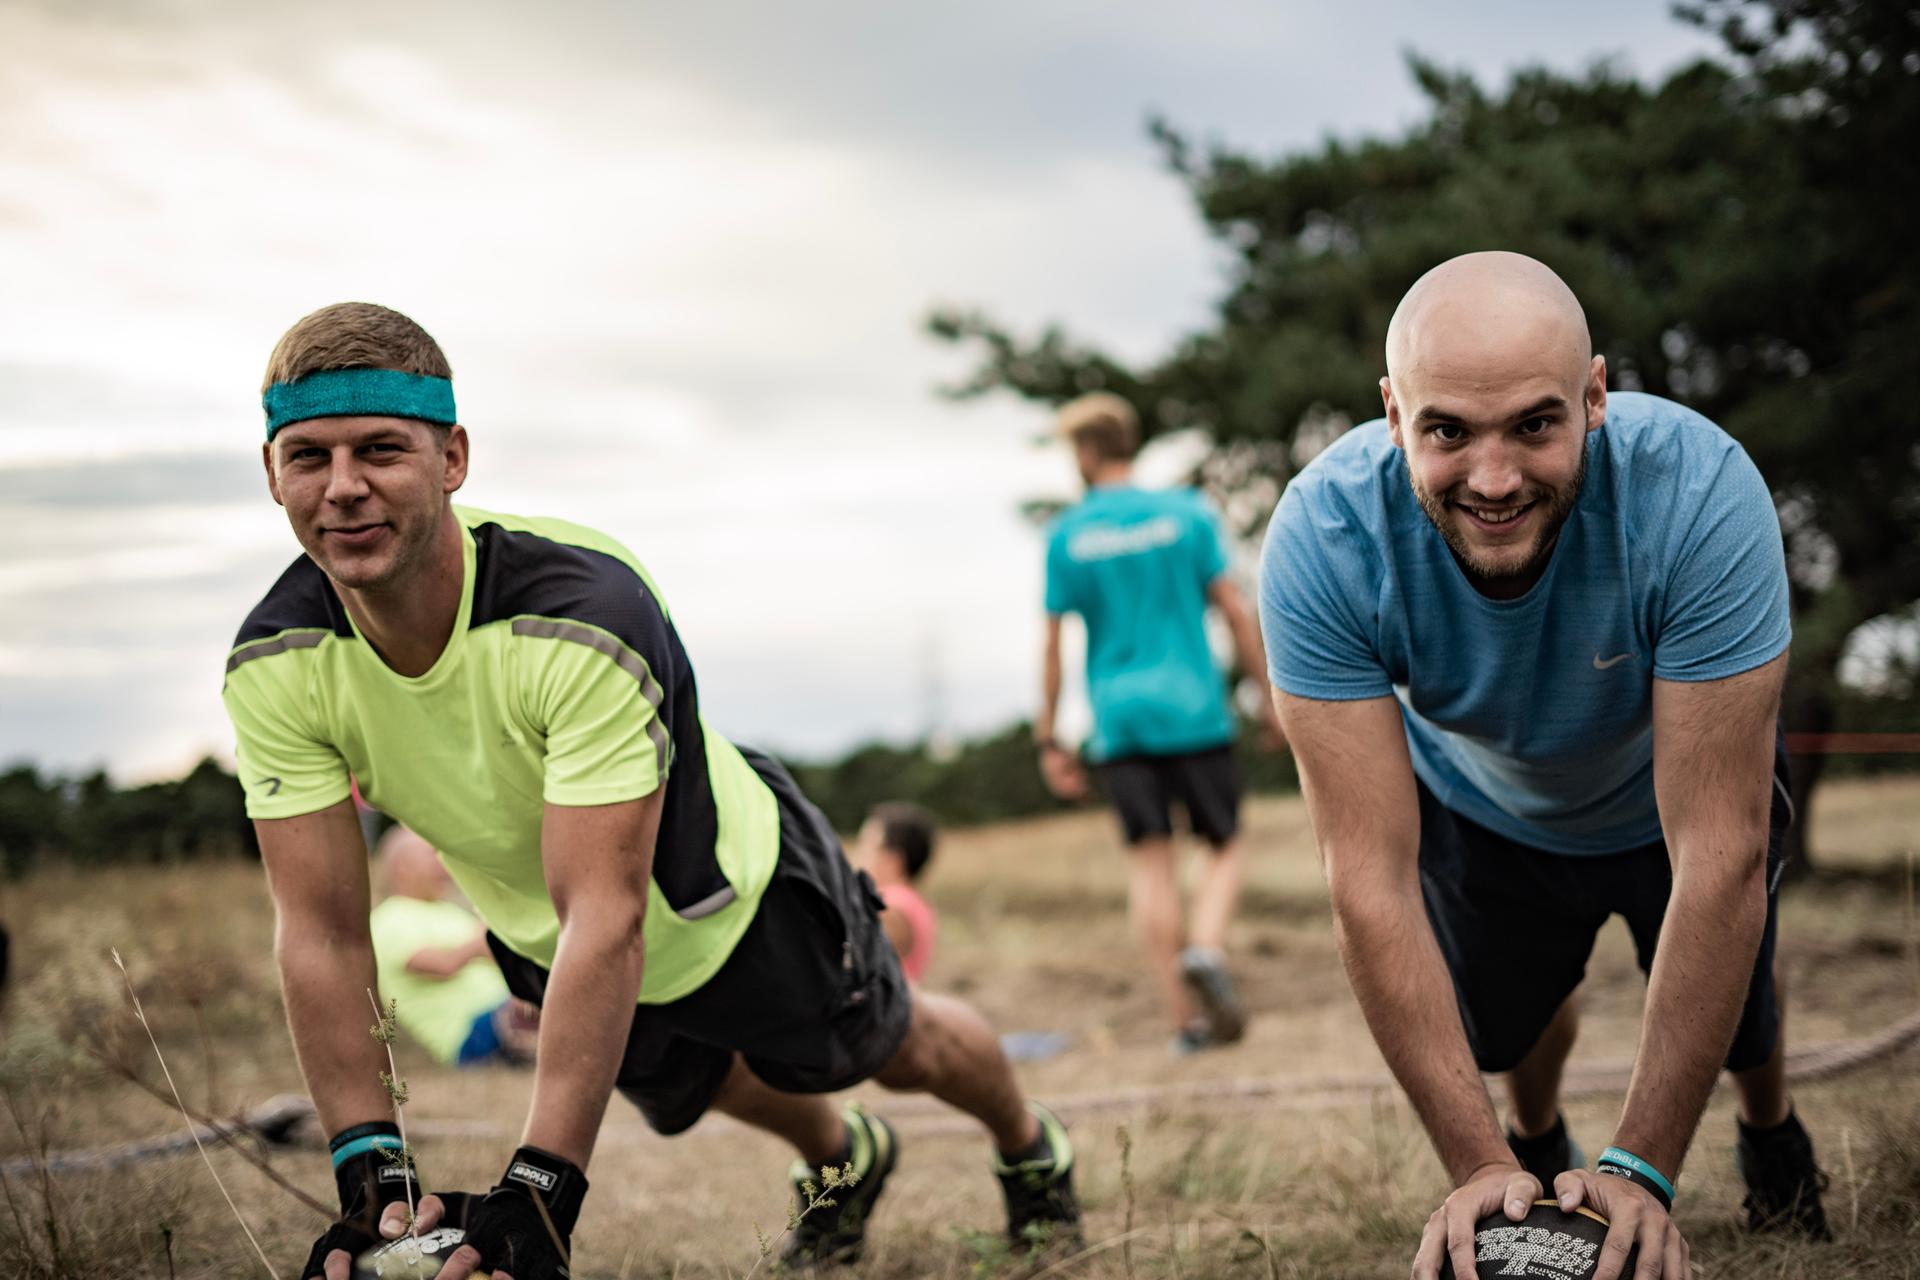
[(1042, 1213), (1783, 1182), (1548, 1155), (831, 1226), (1205, 971)]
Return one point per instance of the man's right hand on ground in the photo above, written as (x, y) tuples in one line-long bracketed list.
[(1449, 1231), (1063, 773)]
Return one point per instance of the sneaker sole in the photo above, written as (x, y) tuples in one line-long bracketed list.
[(1226, 1017)]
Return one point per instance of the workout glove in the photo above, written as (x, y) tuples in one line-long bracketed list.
[(524, 1226), (369, 1173)]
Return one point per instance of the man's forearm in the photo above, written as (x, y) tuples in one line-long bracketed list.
[(1248, 650), (1049, 696), (326, 979), (583, 1027), (1401, 982), (1694, 997)]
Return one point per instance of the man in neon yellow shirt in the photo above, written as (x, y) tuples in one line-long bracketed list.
[(435, 965), (514, 690)]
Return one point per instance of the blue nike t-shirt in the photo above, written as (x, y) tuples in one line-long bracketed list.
[(1532, 717), (1135, 564)]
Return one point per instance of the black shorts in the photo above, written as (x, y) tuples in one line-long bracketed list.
[(812, 995), (1205, 783), (1517, 925)]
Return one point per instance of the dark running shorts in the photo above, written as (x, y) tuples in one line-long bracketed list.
[(1205, 783), (812, 995), (1517, 924)]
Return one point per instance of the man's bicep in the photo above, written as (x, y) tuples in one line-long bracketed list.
[(602, 851), (608, 739), (1713, 747), (316, 866), (284, 765), (1725, 604), (1359, 786), (1320, 633)]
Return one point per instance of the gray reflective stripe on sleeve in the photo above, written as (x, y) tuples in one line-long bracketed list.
[(708, 905), (624, 658), (279, 644)]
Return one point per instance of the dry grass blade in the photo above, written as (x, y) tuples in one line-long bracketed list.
[(383, 1032), (141, 1014), (1081, 1255)]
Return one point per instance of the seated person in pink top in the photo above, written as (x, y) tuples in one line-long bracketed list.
[(894, 847)]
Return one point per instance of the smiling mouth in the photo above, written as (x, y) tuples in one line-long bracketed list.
[(1495, 516)]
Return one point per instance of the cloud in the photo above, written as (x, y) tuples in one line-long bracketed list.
[(680, 257)]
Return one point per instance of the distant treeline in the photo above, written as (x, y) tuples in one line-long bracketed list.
[(991, 780), (89, 820)]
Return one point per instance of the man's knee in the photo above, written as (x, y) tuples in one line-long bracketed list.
[(914, 1064)]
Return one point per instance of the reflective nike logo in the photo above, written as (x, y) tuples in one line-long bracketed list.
[(272, 785), (1601, 664)]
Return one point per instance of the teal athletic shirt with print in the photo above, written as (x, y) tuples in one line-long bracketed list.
[(1532, 717), (1135, 564)]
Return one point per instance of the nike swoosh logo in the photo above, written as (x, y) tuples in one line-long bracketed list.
[(1602, 664)]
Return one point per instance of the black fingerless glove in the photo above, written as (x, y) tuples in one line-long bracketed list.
[(509, 1228), (370, 1171), (369, 1174), (350, 1236)]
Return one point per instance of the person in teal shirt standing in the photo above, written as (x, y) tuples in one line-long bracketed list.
[(435, 965), (1141, 567)]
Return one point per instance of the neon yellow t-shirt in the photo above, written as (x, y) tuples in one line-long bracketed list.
[(564, 683), (438, 1012)]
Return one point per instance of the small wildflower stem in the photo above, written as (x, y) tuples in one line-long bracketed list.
[(397, 1090), (141, 1014)]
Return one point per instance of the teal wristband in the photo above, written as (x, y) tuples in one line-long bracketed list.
[(1634, 1164), (360, 1146)]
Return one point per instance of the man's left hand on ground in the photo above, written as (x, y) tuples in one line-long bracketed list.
[(1634, 1216)]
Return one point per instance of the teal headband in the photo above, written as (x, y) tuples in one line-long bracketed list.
[(357, 393)]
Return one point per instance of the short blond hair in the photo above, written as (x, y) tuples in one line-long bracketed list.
[(1102, 421), (355, 335)]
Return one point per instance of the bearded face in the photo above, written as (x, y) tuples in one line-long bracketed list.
[(1502, 539)]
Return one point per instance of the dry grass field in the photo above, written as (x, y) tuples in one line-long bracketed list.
[(1252, 1181)]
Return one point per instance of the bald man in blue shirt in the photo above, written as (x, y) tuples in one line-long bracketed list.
[(1528, 640)]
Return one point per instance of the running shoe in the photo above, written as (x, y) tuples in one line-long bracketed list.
[(1042, 1213), (1205, 971), (1783, 1182), (1195, 1037), (834, 1230)]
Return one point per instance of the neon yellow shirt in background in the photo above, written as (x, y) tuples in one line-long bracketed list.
[(438, 1012), (563, 683)]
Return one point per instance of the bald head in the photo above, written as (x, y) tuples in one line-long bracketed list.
[(1487, 318), (411, 866), (1491, 389)]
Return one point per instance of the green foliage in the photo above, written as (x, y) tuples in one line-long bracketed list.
[(89, 820), (1739, 233)]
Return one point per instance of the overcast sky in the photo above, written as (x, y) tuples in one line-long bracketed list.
[(680, 257)]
